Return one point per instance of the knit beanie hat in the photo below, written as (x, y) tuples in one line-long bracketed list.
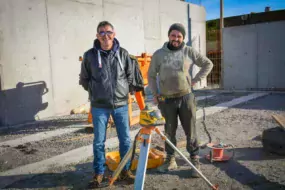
[(179, 27)]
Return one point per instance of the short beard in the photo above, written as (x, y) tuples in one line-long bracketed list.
[(175, 41)]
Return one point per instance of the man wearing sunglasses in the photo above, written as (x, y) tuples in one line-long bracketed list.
[(172, 64), (106, 73)]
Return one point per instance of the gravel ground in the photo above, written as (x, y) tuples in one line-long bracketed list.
[(48, 124), (252, 168), (12, 157), (56, 122), (218, 98)]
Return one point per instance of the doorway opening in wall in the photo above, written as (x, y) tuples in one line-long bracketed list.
[(214, 53), (214, 78)]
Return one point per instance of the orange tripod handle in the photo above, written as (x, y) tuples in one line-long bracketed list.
[(140, 100)]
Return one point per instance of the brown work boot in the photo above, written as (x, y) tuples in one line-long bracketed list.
[(196, 163), (169, 164), (127, 175), (96, 181)]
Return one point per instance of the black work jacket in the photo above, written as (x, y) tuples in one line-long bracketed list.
[(108, 80)]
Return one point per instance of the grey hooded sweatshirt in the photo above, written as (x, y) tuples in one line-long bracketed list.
[(173, 68)]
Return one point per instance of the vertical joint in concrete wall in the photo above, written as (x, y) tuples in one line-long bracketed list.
[(1, 76), (199, 43), (50, 58), (256, 66), (103, 8), (189, 43), (1, 51)]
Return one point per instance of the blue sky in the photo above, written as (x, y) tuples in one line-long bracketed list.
[(238, 7)]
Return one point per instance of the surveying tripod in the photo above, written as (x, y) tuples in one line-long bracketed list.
[(144, 136)]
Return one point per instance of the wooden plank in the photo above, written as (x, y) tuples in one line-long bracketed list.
[(280, 119)]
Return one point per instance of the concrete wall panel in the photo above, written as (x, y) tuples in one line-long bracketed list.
[(198, 35), (240, 55), (198, 41), (24, 59), (172, 12), (72, 29), (271, 59), (152, 45), (41, 41), (128, 23), (197, 13), (151, 22), (254, 56)]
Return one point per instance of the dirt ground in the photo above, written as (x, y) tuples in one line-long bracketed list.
[(242, 125), (12, 157)]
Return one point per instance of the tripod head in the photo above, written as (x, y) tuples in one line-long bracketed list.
[(150, 117)]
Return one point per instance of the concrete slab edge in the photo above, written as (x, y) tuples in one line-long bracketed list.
[(245, 91), (34, 122), (38, 137), (225, 105), (198, 98)]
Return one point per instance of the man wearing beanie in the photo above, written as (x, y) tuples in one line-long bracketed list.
[(172, 65)]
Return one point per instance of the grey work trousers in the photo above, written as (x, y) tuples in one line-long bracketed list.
[(185, 108)]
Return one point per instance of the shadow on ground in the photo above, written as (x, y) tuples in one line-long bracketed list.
[(237, 171), (78, 176)]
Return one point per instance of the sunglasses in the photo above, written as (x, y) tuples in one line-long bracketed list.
[(108, 33)]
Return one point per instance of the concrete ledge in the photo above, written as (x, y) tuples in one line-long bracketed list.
[(222, 106)]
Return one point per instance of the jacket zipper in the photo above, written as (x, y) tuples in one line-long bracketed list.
[(110, 75)]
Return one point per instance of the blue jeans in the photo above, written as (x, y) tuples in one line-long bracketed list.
[(100, 120)]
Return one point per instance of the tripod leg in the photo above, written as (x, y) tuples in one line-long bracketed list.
[(121, 166), (215, 187), (142, 164)]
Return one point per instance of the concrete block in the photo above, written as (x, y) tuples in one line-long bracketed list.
[(72, 29), (24, 57), (128, 23)]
